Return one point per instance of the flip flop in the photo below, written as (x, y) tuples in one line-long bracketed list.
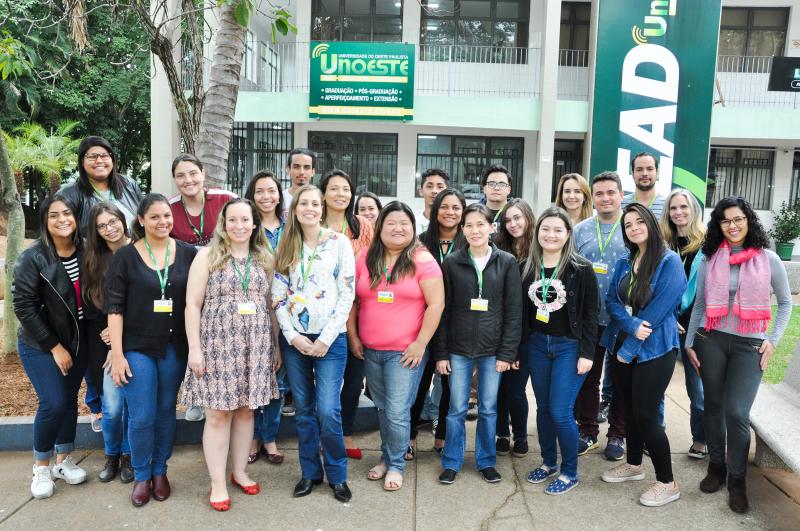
[(410, 453), (393, 481), (377, 472)]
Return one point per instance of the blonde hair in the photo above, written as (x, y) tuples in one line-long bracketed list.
[(220, 245), (695, 231), (288, 252), (583, 184)]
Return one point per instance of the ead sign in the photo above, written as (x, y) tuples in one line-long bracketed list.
[(785, 75)]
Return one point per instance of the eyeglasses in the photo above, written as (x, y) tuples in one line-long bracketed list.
[(92, 157), (739, 221), (113, 222), (493, 185)]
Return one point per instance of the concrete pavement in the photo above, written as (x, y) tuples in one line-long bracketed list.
[(422, 504)]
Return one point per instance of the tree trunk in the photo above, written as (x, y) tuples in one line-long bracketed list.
[(11, 205), (216, 123)]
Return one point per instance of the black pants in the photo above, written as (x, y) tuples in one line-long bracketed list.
[(587, 405), (419, 403), (354, 374), (512, 401), (643, 386)]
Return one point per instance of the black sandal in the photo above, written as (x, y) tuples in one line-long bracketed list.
[(410, 453)]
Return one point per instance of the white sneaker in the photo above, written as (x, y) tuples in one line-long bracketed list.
[(623, 472), (69, 471), (42, 483)]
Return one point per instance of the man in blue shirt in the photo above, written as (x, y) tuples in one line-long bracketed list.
[(644, 168)]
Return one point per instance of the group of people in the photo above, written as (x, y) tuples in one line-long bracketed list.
[(238, 300)]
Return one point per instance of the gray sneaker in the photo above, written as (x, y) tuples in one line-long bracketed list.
[(195, 414)]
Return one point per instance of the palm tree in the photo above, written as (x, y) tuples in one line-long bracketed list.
[(52, 152)]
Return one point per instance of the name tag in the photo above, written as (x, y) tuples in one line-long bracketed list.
[(542, 315), (629, 309), (479, 305), (600, 268), (246, 308), (299, 299), (162, 306), (386, 296)]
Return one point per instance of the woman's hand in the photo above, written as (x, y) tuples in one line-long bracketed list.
[(197, 362), (120, 370), (681, 329), (62, 359), (766, 350), (356, 346), (107, 363), (443, 367), (318, 349), (693, 359), (277, 359), (644, 331), (501, 366), (105, 337), (302, 344), (413, 355), (515, 365), (584, 365)]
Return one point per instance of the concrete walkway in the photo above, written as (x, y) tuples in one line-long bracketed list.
[(422, 504)]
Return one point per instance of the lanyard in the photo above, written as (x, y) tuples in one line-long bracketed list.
[(345, 226), (478, 272), (387, 276), (546, 282), (497, 215), (303, 271), (650, 204), (449, 250), (162, 279), (604, 244), (244, 281), (198, 232)]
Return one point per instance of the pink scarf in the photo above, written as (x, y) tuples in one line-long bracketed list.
[(751, 304)]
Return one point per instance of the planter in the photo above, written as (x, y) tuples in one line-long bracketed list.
[(784, 251)]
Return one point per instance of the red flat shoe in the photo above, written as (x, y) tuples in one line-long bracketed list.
[(252, 490), (221, 506), (354, 453)]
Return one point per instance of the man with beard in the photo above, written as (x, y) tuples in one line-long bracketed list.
[(644, 168)]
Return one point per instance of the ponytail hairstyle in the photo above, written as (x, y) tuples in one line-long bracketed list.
[(97, 255), (376, 254), (569, 254), (220, 252), (349, 211), (288, 252), (137, 231), (654, 250)]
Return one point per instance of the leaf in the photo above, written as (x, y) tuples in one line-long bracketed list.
[(281, 25), (242, 13)]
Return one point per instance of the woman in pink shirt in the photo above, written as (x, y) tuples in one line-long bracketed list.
[(399, 300)]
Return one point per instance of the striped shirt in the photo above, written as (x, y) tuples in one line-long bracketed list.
[(73, 272)]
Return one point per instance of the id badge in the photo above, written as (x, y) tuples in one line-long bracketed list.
[(162, 306), (299, 299), (629, 309), (386, 297), (542, 315), (246, 308), (479, 305), (601, 268)]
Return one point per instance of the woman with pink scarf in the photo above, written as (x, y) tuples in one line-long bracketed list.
[(727, 339)]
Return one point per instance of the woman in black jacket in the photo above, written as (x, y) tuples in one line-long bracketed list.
[(560, 326), (47, 303), (480, 327)]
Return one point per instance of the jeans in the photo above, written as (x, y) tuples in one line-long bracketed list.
[(351, 392), (428, 402), (643, 385), (93, 400), (430, 410), (512, 401), (553, 363), (115, 418), (394, 389), (694, 388), (460, 384), (316, 383), (731, 372), (587, 404), (267, 418), (608, 387), (57, 413), (151, 394)]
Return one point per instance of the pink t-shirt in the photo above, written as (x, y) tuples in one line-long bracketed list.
[(383, 326)]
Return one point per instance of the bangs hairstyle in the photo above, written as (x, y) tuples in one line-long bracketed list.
[(250, 193), (349, 212), (137, 231), (477, 208), (756, 235), (431, 237), (404, 266), (97, 255), (695, 231), (569, 255), (288, 252), (519, 247), (44, 234), (114, 179), (220, 252), (583, 184), (654, 250)]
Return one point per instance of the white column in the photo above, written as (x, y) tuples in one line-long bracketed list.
[(587, 145), (412, 15)]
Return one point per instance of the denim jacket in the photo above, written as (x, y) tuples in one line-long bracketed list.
[(661, 311)]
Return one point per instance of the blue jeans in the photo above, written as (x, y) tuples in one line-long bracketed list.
[(553, 363), (57, 413), (694, 388), (267, 419), (151, 394), (430, 408), (460, 383), (316, 383), (115, 418), (93, 399), (394, 390)]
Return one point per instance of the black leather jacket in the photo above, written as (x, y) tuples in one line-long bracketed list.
[(131, 196), (475, 334), (45, 301)]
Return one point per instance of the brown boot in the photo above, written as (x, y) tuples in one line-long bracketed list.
[(715, 477), (737, 495)]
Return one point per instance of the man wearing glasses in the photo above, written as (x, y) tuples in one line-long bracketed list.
[(496, 184)]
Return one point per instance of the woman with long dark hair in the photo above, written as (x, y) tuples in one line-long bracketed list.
[(736, 279), (642, 302), (368, 205), (51, 344), (108, 233)]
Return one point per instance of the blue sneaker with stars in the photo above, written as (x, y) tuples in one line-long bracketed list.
[(559, 486), (541, 474)]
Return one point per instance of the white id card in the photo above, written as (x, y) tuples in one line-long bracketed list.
[(246, 308), (542, 315), (162, 306), (601, 268), (629, 309), (479, 305), (386, 297)]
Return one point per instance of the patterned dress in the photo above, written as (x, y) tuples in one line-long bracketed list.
[(238, 349)]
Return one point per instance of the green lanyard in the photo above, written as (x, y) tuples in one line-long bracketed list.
[(100, 195), (449, 250), (345, 226), (162, 279), (387, 276), (604, 244), (303, 271), (546, 282), (497, 215), (198, 232), (478, 272), (243, 280)]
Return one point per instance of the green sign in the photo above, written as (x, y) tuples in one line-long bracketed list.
[(366, 80), (654, 88)]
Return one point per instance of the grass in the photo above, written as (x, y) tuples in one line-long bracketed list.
[(786, 347)]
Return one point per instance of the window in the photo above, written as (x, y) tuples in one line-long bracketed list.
[(494, 23), (465, 158), (794, 195), (370, 159), (257, 146), (751, 33), (567, 158), (574, 36), (357, 20), (745, 172)]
